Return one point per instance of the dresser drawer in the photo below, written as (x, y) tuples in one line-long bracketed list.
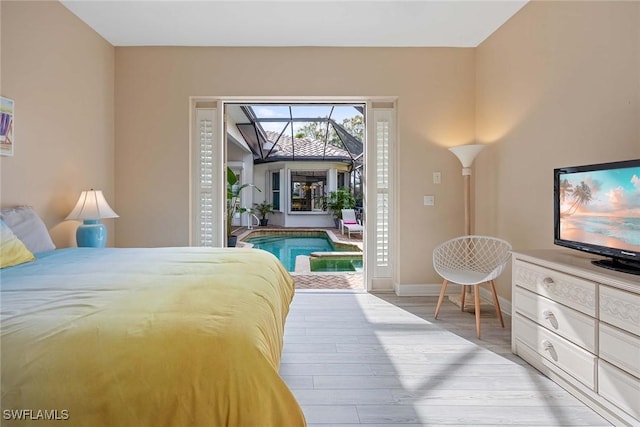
[(620, 308), (564, 321), (620, 348), (572, 359), (619, 388), (571, 291)]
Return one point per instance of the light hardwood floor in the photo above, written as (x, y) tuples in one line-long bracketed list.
[(354, 358)]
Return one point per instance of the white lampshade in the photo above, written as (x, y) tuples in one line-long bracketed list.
[(92, 205), (467, 153)]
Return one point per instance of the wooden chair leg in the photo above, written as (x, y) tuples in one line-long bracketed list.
[(496, 302), (463, 294), (442, 291), (476, 294)]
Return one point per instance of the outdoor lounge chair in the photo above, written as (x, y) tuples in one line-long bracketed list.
[(350, 222)]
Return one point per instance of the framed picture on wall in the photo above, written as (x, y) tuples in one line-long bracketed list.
[(6, 126)]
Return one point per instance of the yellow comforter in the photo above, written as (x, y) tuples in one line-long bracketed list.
[(146, 337)]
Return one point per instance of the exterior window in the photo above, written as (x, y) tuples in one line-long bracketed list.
[(308, 191), (275, 190)]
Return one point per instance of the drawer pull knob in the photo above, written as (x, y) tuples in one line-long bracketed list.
[(546, 344), (547, 314), (547, 282)]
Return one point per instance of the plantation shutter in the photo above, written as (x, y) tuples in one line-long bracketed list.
[(204, 201), (379, 194)]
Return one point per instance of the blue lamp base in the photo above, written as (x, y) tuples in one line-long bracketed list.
[(91, 234)]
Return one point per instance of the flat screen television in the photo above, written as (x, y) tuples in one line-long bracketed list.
[(597, 210)]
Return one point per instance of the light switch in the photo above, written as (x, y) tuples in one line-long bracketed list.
[(437, 178), (429, 200)]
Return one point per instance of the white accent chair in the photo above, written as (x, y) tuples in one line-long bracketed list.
[(350, 222), (471, 261)]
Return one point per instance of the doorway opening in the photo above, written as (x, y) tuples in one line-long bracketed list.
[(311, 165), (306, 161)]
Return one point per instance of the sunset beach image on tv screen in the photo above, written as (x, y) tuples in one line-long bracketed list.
[(601, 208)]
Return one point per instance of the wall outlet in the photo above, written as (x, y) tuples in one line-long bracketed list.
[(437, 178), (429, 200)]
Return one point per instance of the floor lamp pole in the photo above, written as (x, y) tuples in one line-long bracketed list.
[(467, 205)]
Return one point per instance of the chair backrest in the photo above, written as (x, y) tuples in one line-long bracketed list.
[(482, 254), (349, 216)]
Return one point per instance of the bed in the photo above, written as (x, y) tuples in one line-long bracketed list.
[(146, 337)]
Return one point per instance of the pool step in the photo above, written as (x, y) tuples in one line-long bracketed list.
[(303, 265)]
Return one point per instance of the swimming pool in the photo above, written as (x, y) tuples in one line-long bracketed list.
[(288, 245)]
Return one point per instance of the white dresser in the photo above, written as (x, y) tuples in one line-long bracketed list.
[(580, 325)]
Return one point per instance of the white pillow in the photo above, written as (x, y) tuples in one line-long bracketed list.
[(28, 227)]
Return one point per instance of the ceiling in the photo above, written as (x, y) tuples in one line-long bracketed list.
[(354, 23)]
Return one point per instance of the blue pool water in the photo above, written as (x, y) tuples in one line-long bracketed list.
[(288, 247)]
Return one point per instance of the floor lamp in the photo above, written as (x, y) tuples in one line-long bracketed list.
[(466, 154)]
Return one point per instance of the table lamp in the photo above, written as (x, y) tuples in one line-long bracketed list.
[(91, 207)]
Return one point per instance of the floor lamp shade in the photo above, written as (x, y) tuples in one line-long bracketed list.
[(467, 154), (91, 208)]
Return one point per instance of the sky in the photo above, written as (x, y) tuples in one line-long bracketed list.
[(616, 192), (340, 112)]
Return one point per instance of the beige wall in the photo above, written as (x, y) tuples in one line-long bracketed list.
[(557, 85), (435, 90), (60, 74)]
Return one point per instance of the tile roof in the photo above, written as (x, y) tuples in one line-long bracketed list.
[(304, 147)]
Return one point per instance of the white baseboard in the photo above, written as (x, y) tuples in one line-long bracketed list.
[(384, 284), (433, 290)]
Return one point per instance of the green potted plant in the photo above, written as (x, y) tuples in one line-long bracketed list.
[(338, 200), (233, 203), (264, 209)]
